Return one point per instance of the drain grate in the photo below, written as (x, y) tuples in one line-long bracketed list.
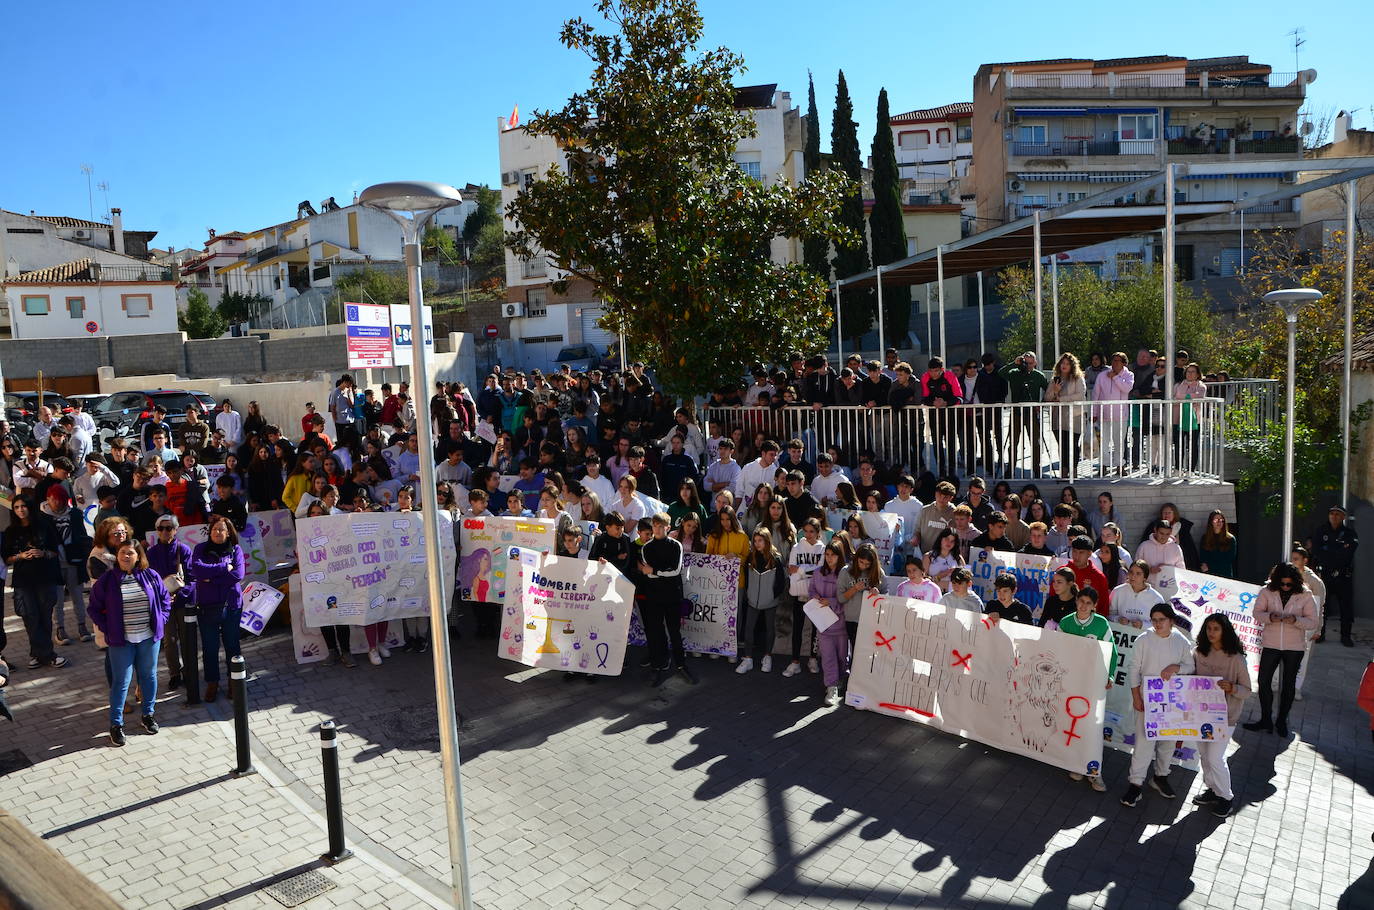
[(289, 892), (14, 760)]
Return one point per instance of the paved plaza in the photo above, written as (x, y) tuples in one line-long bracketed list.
[(735, 793)]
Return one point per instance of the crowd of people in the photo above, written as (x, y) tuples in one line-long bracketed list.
[(616, 452)]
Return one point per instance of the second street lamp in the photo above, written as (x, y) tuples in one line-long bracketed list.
[(1291, 301)]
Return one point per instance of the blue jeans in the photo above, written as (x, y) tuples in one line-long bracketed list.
[(218, 624), (125, 661)]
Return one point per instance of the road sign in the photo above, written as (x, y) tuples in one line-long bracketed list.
[(492, 331), (93, 327), (369, 335)]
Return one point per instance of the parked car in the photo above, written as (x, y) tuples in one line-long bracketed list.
[(125, 413), (584, 357)]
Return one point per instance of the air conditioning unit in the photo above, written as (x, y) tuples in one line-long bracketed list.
[(512, 310), (82, 234), (1289, 177), (509, 178), (1014, 185)]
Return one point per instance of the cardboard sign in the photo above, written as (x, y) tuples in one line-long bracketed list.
[(566, 613), (484, 571), (259, 603), (1188, 708)]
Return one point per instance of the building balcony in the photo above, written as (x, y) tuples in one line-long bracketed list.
[(1161, 86), (1274, 147), (1085, 148)]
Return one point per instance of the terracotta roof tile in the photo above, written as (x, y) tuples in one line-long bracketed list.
[(64, 222), (77, 270), (957, 109), (1361, 355)]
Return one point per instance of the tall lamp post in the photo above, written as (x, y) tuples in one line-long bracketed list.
[(412, 204), (1291, 301)]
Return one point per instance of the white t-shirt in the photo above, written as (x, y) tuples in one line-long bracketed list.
[(910, 512), (602, 487), (823, 487), (1128, 606), (806, 557)]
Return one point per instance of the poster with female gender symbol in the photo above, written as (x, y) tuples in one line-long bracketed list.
[(565, 613), (1030, 691)]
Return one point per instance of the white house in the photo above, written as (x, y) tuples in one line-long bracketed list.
[(934, 154), (29, 242), (86, 297), (540, 322)]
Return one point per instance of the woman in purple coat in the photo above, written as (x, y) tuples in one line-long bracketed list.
[(214, 578), (129, 604)]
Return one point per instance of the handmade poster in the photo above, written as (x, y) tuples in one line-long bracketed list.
[(1187, 708), (710, 588), (366, 567), (1032, 574), (1119, 723), (1029, 691), (486, 543), (1195, 596), (589, 530), (308, 644), (259, 603), (565, 613), (213, 472), (276, 531), (883, 530)]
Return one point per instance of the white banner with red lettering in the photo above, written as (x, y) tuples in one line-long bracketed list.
[(1019, 688)]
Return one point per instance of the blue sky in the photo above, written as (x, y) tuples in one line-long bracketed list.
[(227, 115)]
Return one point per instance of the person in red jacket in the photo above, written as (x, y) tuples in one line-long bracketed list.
[(1087, 575), (1365, 698)]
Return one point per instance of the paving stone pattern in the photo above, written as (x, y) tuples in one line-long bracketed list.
[(742, 792)]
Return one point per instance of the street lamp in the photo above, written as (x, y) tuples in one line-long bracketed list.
[(412, 204), (1291, 301)]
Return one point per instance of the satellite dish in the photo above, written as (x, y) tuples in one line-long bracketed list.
[(1307, 128), (1308, 76)]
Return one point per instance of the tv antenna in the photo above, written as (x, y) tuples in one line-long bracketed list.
[(1298, 41), (105, 188), (90, 194)]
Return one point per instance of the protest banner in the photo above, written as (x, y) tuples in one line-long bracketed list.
[(565, 613), (882, 529), (307, 643), (365, 567), (1119, 720), (1029, 691), (275, 534), (1032, 574), (710, 588), (1196, 595), (486, 543), (1187, 708), (259, 603)]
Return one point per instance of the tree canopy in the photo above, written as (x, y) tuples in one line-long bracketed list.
[(652, 209), (199, 319)]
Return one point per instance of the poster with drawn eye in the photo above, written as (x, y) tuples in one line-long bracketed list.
[(1033, 692), (1032, 574), (366, 567), (565, 613), (485, 542), (710, 585)]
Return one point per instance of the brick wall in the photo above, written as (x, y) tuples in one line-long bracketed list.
[(220, 357), (317, 352), (54, 356), (134, 354)]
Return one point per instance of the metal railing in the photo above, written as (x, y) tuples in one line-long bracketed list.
[(1146, 440), (150, 272), (1059, 148), (1250, 402)]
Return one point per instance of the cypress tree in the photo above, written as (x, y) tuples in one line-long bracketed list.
[(815, 249), (885, 224), (850, 258)]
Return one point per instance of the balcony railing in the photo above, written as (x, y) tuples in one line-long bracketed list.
[(1278, 145), (149, 272), (1146, 440), (1141, 84), (266, 252), (1082, 148)]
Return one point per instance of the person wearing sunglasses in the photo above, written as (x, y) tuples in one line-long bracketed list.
[(1286, 612)]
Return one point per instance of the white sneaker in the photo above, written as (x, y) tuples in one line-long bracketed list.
[(813, 665), (1074, 775), (374, 658), (792, 670), (766, 665), (1297, 696), (382, 650), (1097, 783), (832, 696), (745, 665)]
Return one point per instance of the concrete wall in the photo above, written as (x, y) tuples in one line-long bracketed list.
[(282, 403), (222, 357), (322, 352), (143, 354)]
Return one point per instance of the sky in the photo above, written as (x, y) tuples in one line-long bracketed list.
[(227, 115)]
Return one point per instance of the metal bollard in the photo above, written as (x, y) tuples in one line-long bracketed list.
[(238, 691), (333, 796), (190, 654)]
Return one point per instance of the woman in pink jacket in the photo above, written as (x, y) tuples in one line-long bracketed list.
[(1286, 612), (1187, 428)]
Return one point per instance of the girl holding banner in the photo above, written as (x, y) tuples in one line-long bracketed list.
[(1219, 653)]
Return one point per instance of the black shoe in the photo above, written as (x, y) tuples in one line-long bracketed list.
[(1222, 808), (1161, 784), (687, 674), (1205, 797), (662, 676), (117, 736), (421, 645), (211, 691), (1132, 795), (646, 664), (174, 682), (150, 724), (1281, 727), (1259, 726), (1347, 641)]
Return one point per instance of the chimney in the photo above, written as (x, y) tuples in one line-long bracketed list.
[(117, 226), (1343, 124)]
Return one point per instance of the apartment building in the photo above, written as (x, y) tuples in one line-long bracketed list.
[(540, 321), (935, 155), (1051, 132), (87, 297)]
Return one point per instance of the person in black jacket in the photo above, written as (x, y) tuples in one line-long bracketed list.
[(990, 388), (1333, 548), (848, 391), (660, 571), (30, 550)]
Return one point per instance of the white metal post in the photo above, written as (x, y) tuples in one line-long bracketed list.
[(930, 328), (1054, 303), (1039, 295), (882, 343), (1291, 301), (1352, 196), (940, 278), (1169, 340), (982, 337), (839, 328)]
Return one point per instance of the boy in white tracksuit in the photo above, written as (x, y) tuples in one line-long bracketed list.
[(1163, 651)]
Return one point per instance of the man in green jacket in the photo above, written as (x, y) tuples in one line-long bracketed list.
[(1027, 384)]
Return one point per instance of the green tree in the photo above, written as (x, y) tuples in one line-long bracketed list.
[(199, 319), (885, 226), (851, 255), (236, 306), (815, 247), (438, 246), (656, 214), (488, 212), (374, 285), (1100, 315)]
